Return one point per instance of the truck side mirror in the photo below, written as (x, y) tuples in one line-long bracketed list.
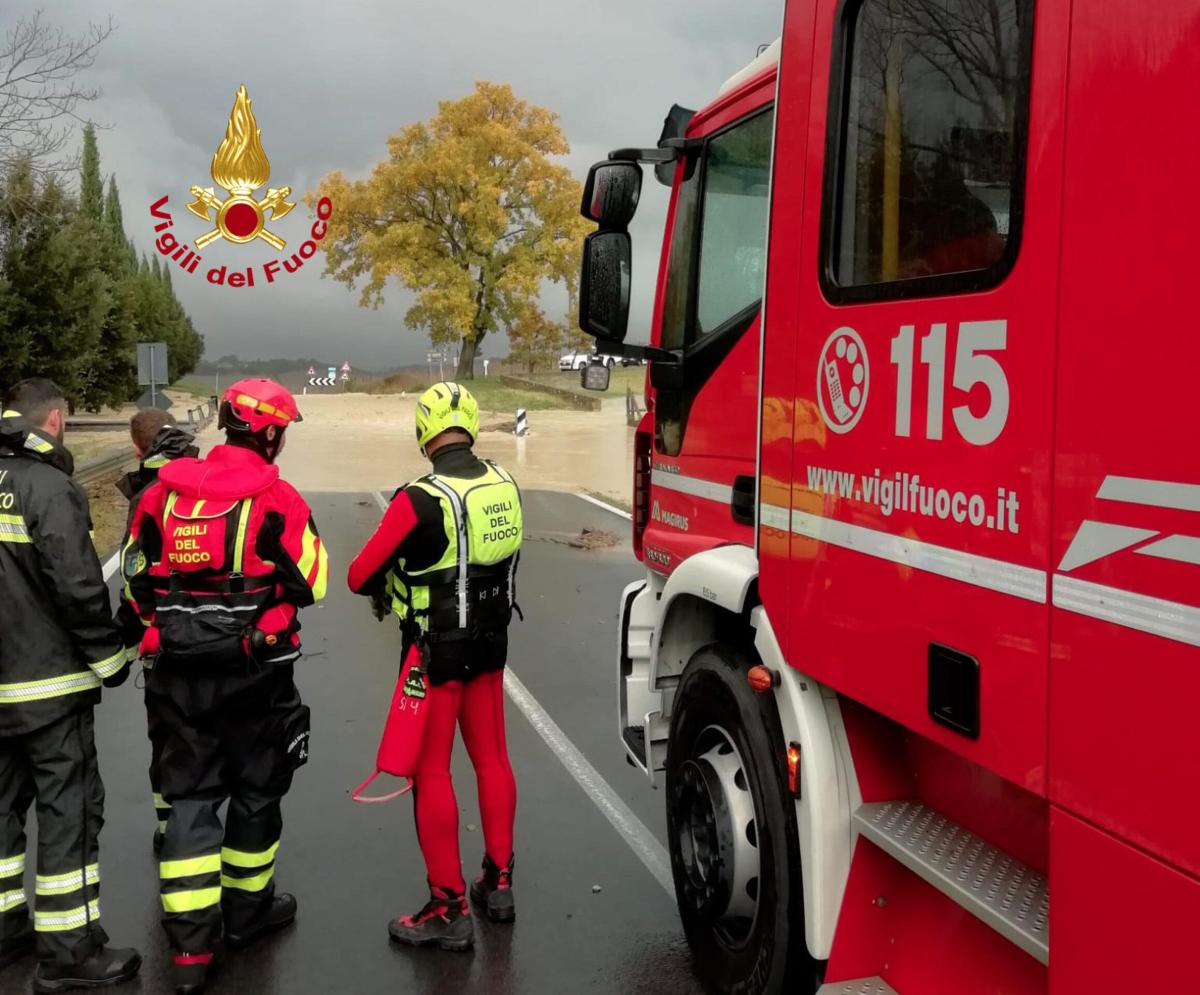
[(605, 285), (610, 196)]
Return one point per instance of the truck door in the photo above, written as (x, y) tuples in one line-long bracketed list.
[(710, 293), (923, 379)]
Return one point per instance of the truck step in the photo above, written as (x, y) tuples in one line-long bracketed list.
[(863, 986), (995, 887)]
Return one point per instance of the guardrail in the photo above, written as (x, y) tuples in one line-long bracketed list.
[(105, 466)]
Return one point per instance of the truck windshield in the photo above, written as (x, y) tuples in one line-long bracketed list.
[(723, 230)]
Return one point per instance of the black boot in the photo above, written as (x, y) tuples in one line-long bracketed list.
[(15, 950), (105, 966), (190, 973), (444, 922), (492, 890), (281, 913)]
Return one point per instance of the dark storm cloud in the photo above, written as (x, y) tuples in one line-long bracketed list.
[(331, 82)]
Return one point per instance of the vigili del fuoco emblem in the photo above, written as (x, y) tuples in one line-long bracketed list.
[(241, 166)]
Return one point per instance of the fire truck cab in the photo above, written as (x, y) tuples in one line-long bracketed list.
[(917, 653)]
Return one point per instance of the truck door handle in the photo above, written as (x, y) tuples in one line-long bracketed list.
[(741, 504)]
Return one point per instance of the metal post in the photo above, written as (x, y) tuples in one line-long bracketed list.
[(152, 394)]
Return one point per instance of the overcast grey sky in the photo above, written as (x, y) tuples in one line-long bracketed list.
[(330, 82)]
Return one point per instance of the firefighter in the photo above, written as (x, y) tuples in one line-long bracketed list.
[(157, 440), (221, 554), (58, 644), (446, 552)]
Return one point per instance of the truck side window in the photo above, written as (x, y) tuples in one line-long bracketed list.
[(733, 234), (928, 136), (719, 241)]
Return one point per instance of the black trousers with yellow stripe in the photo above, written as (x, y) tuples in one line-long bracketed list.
[(56, 767), (224, 741)]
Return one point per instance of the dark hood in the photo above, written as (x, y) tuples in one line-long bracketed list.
[(19, 438), (171, 443)]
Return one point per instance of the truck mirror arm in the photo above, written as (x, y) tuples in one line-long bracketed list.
[(642, 352)]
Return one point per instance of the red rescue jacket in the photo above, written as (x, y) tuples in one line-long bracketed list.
[(218, 548)]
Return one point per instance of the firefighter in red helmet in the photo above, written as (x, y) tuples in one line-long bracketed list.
[(220, 555)]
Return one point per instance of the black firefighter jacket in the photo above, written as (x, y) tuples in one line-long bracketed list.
[(57, 636)]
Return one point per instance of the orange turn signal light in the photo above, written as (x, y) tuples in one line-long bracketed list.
[(762, 679), (793, 767)]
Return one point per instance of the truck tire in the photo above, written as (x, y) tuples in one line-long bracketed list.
[(732, 832)]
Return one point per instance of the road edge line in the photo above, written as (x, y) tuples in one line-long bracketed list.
[(605, 505), (622, 818), (380, 500), (110, 566)]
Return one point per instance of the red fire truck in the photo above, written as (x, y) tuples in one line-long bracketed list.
[(917, 646)]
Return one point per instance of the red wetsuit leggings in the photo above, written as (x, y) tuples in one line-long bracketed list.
[(476, 706)]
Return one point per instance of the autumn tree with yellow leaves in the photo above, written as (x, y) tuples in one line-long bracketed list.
[(471, 212)]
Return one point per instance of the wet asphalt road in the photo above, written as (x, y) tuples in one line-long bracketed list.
[(353, 867)]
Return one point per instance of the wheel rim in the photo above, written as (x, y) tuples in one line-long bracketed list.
[(716, 832)]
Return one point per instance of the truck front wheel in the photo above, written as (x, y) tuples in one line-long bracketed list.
[(732, 835)]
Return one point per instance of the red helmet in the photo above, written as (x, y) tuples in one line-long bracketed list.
[(251, 405)]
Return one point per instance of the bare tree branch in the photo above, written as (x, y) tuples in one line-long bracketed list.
[(40, 92)]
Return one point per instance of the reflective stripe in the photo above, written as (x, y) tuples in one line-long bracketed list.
[(109, 665), (12, 865), (199, 609), (13, 529), (314, 554), (239, 545), (190, 901), (464, 552), (168, 508), (162, 825), (245, 858), (1026, 583), (51, 687), (256, 883), (1157, 616), (695, 486), (60, 884), (12, 899), (38, 445), (156, 462), (160, 802), (210, 863), (57, 922)]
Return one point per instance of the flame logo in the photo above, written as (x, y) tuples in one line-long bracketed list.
[(240, 165)]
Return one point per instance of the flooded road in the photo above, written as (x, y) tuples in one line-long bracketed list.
[(355, 441)]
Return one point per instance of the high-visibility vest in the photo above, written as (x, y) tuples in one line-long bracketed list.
[(472, 586)]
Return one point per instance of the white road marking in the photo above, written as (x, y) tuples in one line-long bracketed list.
[(641, 841), (380, 500), (606, 506), (110, 565)]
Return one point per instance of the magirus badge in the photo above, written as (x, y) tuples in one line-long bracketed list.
[(241, 166)]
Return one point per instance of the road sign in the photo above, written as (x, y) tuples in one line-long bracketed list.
[(322, 381), (156, 400), (345, 375), (333, 373), (152, 363), (312, 372), (345, 367)]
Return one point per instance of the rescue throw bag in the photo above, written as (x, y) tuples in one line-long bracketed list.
[(404, 730)]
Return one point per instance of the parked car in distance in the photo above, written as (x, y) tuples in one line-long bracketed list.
[(578, 359)]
